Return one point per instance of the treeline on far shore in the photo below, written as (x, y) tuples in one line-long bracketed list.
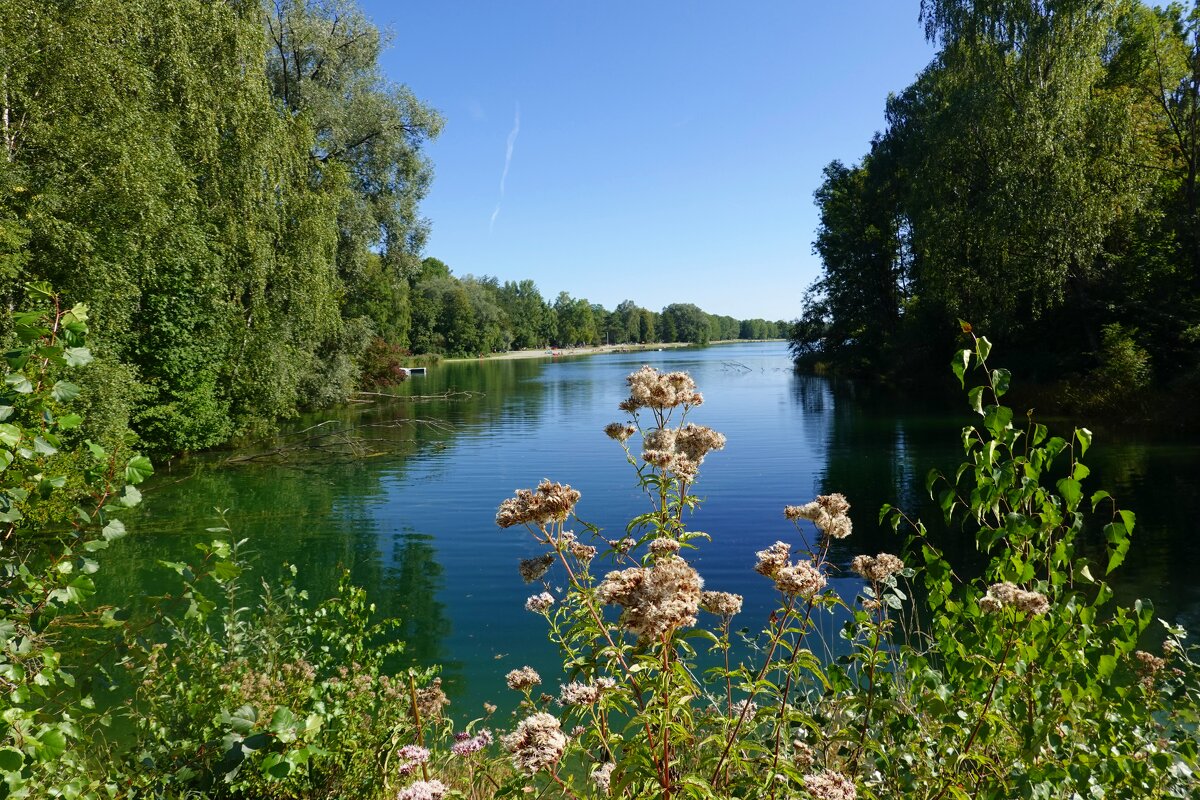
[(1040, 179), (233, 190)]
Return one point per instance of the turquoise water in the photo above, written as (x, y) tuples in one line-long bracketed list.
[(404, 493)]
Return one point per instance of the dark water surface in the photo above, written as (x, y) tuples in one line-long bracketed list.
[(412, 515)]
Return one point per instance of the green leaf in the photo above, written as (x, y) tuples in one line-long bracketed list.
[(959, 364), (42, 446), (1039, 434), (6, 411), (975, 398), (11, 759), (1000, 381), (1098, 497), (1071, 491), (998, 419), (1085, 440), (69, 422), (226, 570), (114, 530), (19, 383), (78, 356), (10, 435), (983, 348), (138, 469), (130, 496), (64, 391)]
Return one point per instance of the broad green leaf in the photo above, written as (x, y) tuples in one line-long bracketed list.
[(1000, 380), (64, 391), (114, 530), (983, 348), (10, 435), (69, 422), (1085, 440), (11, 759), (6, 411), (19, 383), (959, 364), (138, 469), (1071, 491), (77, 356), (975, 398)]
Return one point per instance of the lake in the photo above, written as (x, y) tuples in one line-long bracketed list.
[(404, 493)]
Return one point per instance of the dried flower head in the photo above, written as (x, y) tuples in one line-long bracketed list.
[(802, 754), (723, 604), (410, 757), (578, 694), (830, 785), (801, 579), (534, 568), (878, 568), (620, 431), (828, 512), (622, 546), (472, 744), (521, 679), (773, 559), (537, 743), (548, 503), (649, 388), (431, 700), (657, 599), (539, 603), (1004, 594), (423, 790), (664, 546), (602, 776), (1148, 666), (583, 552)]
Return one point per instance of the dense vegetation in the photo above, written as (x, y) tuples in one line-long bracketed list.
[(233, 190), (1039, 178)]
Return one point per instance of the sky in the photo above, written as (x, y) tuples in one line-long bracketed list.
[(660, 152)]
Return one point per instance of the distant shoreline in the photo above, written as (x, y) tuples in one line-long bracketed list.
[(554, 352)]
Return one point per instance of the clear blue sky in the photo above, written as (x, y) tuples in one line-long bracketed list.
[(666, 151)]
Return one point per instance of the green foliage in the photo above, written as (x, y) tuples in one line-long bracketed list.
[(282, 700), (1039, 177), (51, 479)]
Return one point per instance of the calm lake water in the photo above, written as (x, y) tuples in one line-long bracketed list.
[(412, 515)]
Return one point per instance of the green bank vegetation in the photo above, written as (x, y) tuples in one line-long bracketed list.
[(1038, 178), (232, 189)]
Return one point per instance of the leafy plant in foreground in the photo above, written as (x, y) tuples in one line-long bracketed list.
[(1024, 681)]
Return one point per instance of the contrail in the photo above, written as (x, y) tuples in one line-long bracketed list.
[(508, 154)]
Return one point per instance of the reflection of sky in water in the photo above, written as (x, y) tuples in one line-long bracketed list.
[(416, 526)]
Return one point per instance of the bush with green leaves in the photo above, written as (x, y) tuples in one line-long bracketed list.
[(1023, 681), (60, 497), (276, 699)]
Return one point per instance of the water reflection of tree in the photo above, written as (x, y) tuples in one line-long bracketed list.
[(413, 583)]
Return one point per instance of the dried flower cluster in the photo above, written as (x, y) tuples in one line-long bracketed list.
[(681, 451), (534, 568), (802, 579), (723, 604), (431, 700), (1148, 666), (664, 546), (578, 694), (423, 790), (657, 599), (649, 388), (621, 431), (539, 603), (829, 785), (472, 744), (548, 503), (1004, 594), (521, 679), (537, 743), (828, 512), (877, 569), (602, 776)]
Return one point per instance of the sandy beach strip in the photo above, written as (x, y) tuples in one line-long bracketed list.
[(555, 352)]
